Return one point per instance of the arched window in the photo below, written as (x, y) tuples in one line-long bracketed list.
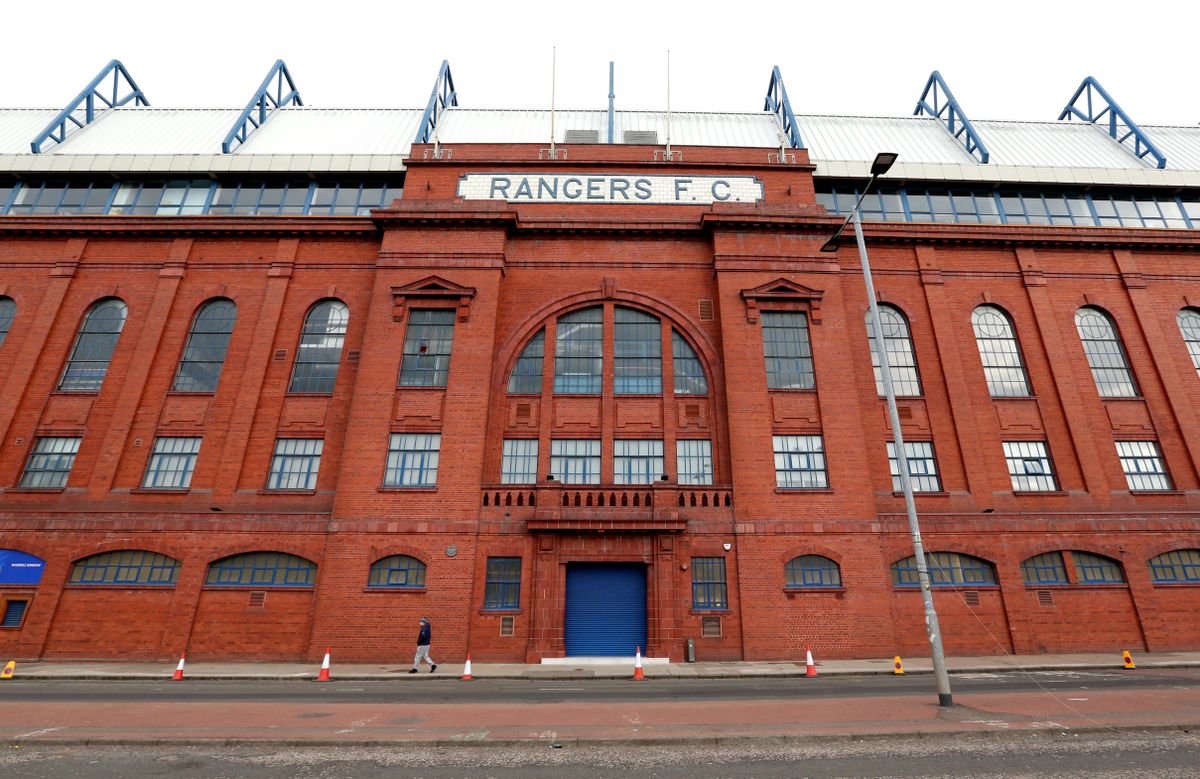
[(946, 569), (901, 359), (689, 372), (320, 349), (812, 570), (262, 569), (204, 353), (94, 347), (999, 353), (128, 566), (1189, 326), (1105, 354), (526, 377), (1044, 569), (397, 571), (1094, 569), (637, 353), (8, 310), (579, 352), (1181, 566)]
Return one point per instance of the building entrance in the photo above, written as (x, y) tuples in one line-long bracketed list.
[(606, 609)]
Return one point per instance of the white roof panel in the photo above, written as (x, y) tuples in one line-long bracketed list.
[(359, 131), (150, 131), (18, 126)]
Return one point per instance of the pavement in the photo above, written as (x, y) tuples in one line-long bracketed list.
[(586, 668)]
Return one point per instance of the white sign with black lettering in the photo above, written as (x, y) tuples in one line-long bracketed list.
[(624, 190)]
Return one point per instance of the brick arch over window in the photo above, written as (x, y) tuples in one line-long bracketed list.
[(695, 338)]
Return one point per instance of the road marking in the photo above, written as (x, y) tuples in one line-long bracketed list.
[(560, 689), (33, 733), (349, 689), (1077, 699)]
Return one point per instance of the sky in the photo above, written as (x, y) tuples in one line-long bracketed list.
[(1003, 60)]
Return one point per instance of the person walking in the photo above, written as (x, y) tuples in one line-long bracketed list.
[(423, 640)]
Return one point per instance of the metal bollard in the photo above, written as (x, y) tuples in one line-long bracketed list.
[(691, 650)]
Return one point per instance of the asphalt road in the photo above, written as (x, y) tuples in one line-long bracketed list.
[(1163, 755), (526, 691)]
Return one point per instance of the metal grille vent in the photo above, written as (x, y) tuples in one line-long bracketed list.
[(353, 355), (692, 411), (641, 137), (280, 355), (971, 598), (710, 627), (706, 310), (581, 136), (508, 626), (258, 599), (1045, 598), (523, 410)]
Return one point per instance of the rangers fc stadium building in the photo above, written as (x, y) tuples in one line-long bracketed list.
[(288, 377)]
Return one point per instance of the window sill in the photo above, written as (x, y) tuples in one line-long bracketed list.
[(249, 587), (1138, 398), (116, 586), (804, 490), (285, 492), (309, 395), (709, 612), (396, 588), (428, 387), (1039, 492), (1152, 492), (919, 494), (36, 490), (943, 588), (75, 393), (386, 488), (192, 393), (1167, 585), (505, 612), (160, 490), (793, 390), (814, 589)]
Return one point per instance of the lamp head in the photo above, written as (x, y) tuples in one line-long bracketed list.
[(883, 161)]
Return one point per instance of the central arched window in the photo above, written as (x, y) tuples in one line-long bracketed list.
[(320, 350), (901, 359), (94, 347), (1189, 326), (637, 353), (999, 353), (1105, 354), (204, 354)]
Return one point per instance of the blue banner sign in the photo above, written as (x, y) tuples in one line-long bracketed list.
[(20, 568)]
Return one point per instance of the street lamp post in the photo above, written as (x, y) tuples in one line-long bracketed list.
[(883, 161)]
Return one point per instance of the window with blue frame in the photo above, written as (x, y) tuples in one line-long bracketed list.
[(412, 460), (502, 583), (579, 352), (320, 349), (526, 377), (946, 569), (8, 312), (1044, 569), (1095, 569), (12, 615), (262, 569), (397, 571), (1181, 566), (709, 591), (637, 353), (207, 342), (94, 347), (812, 571), (125, 567)]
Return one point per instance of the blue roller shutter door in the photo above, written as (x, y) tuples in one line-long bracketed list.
[(606, 609)]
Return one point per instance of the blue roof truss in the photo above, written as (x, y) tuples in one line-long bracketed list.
[(777, 103), (1118, 124), (442, 97), (947, 109), (95, 98), (276, 91)]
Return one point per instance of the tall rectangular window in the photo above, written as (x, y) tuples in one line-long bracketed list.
[(637, 353), (1029, 466), (800, 462), (579, 351), (708, 583), (171, 463), (637, 462), (519, 465), (922, 466), (1143, 465), (295, 464), (50, 463), (787, 350), (502, 586), (575, 460), (693, 461), (412, 460), (427, 343)]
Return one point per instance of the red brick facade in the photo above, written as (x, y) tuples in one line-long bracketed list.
[(508, 271)]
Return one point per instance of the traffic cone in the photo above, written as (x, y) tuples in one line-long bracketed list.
[(1128, 660), (324, 675), (178, 676), (466, 677), (9, 669), (811, 668), (638, 674), (898, 667)]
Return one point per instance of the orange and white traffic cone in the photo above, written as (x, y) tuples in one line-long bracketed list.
[(466, 677), (324, 675), (1127, 659), (898, 667), (10, 668), (810, 666), (638, 674), (178, 676)]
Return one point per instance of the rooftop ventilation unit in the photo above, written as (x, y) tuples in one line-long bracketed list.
[(581, 136), (642, 137)]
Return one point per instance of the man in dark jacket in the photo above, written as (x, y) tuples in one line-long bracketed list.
[(423, 640)]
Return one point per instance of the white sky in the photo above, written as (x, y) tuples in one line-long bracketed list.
[(1014, 59)]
